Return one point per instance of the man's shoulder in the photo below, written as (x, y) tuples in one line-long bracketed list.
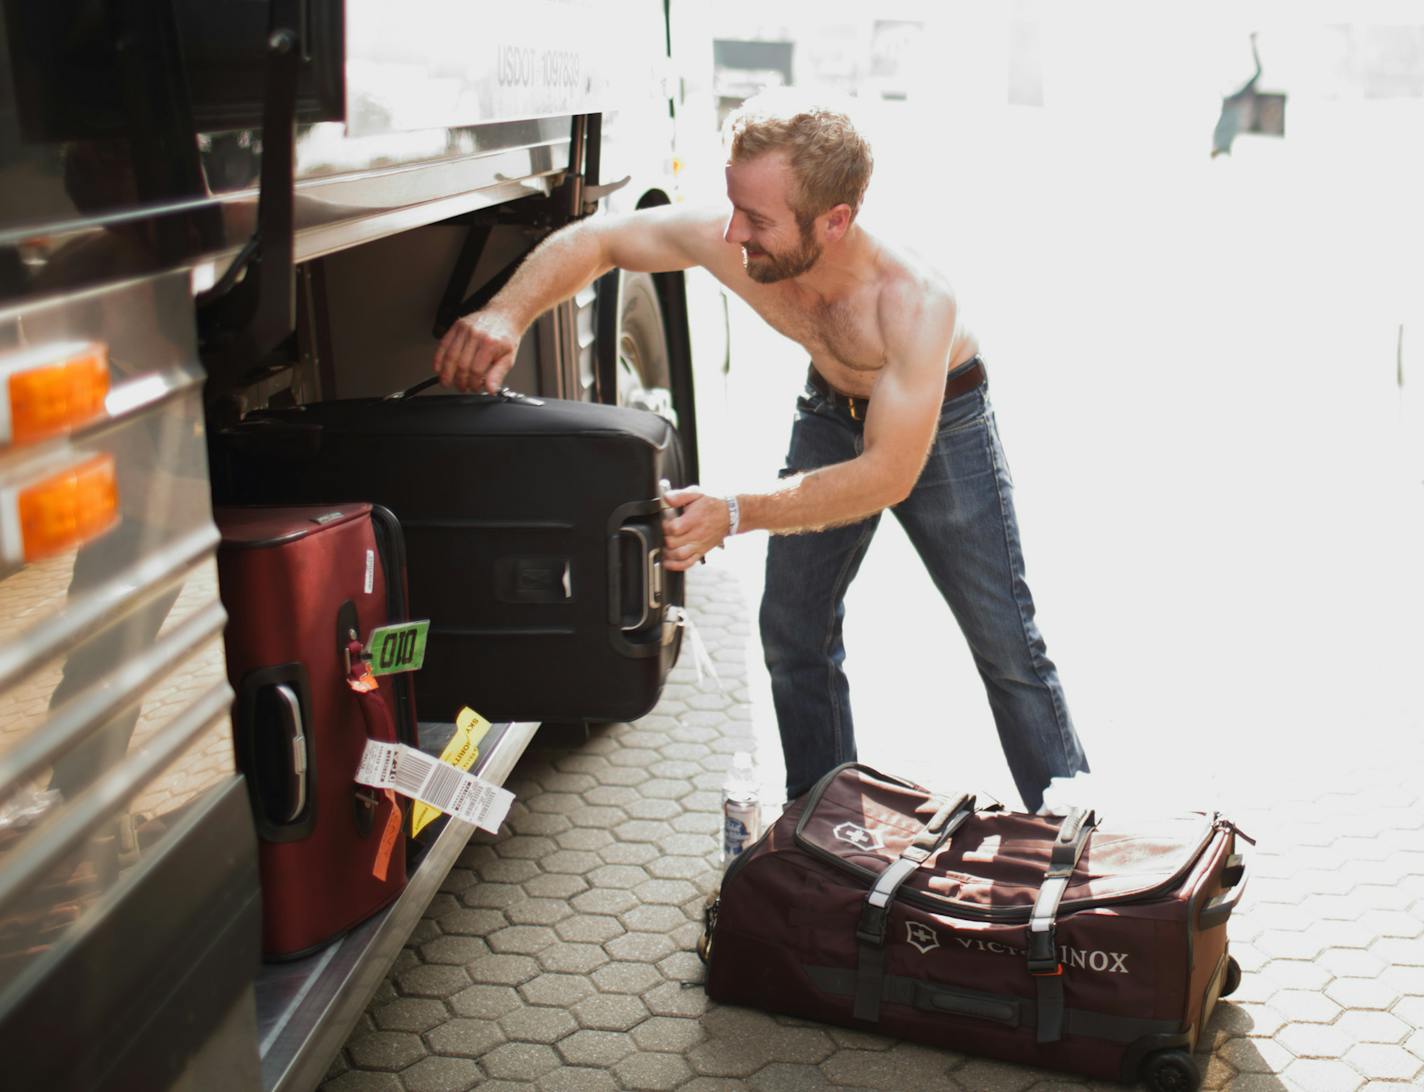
[(912, 294)]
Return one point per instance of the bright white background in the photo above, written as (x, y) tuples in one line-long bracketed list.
[(1209, 378)]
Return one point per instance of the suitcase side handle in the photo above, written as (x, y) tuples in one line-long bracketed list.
[(648, 573), (275, 751), (1219, 907), (291, 709)]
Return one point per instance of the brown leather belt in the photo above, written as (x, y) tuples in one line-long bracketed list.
[(965, 378)]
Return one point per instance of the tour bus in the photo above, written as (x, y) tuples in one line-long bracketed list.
[(210, 207)]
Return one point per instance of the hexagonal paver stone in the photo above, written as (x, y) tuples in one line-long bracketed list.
[(588, 839), (437, 1074), (679, 868), (1255, 1055), (668, 1033), (534, 911), (665, 892), (1373, 1027), (1411, 1011), (1380, 1061), (570, 1078), (486, 1002), (670, 999), (521, 939), (503, 970), (616, 796), (387, 1050), (1295, 974), (492, 896), (455, 950), (651, 1072), (537, 1024), (653, 808), (594, 1048), (545, 824), (589, 928), (1350, 961), (1305, 1006), (559, 803), (626, 877), (556, 989), (682, 966), (991, 1076), (1361, 993), (573, 958), (554, 885), (640, 947), (465, 1038), (433, 980), (362, 1081), (474, 923), (610, 1012), (605, 901), (1314, 1040), (644, 854), (415, 1014), (1322, 1075), (789, 1077), (626, 977), (508, 870), (654, 919)]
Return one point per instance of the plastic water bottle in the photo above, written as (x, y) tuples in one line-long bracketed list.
[(741, 807)]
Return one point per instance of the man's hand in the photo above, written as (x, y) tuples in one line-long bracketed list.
[(701, 527), (477, 352)]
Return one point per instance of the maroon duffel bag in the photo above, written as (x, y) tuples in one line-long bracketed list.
[(1050, 941)]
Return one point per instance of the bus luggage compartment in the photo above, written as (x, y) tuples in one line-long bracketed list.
[(533, 534)]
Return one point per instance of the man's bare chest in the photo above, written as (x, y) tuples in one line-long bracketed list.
[(837, 335)]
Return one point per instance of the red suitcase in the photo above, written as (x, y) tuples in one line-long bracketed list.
[(1056, 942), (297, 584)]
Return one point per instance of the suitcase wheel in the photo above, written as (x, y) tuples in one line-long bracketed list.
[(1232, 978), (1171, 1071)]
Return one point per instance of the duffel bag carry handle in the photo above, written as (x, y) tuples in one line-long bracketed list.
[(1219, 907)]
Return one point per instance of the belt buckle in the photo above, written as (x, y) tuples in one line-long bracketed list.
[(850, 404)]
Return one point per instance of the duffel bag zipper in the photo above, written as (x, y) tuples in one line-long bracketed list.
[(1013, 914)]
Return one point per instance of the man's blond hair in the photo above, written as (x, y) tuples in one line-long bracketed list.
[(830, 161)]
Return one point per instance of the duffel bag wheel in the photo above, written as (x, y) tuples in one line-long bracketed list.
[(1171, 1071), (1232, 978)]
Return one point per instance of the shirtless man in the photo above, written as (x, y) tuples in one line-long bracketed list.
[(895, 415)]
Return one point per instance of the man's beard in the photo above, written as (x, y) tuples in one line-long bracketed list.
[(768, 268)]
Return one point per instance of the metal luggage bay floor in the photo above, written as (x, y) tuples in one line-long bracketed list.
[(559, 955)]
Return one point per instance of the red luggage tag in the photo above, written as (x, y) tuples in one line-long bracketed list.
[(388, 838)]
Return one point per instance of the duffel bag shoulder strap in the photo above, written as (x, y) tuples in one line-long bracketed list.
[(1043, 961), (875, 910)]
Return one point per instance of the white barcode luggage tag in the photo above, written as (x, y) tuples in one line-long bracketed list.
[(415, 774), (678, 616)]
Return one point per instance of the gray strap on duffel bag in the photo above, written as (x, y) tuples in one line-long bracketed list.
[(875, 910), (1043, 961)]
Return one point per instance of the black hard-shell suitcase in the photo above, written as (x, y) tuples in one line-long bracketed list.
[(533, 536)]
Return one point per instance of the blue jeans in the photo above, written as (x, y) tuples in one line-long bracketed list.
[(960, 519)]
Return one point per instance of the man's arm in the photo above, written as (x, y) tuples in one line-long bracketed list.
[(479, 349), (899, 428)]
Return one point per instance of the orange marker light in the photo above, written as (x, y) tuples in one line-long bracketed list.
[(53, 389), (68, 508)]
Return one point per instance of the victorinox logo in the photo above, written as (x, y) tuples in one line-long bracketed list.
[(858, 836), (924, 938)]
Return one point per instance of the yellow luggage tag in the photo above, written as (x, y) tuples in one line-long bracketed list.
[(460, 752)]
